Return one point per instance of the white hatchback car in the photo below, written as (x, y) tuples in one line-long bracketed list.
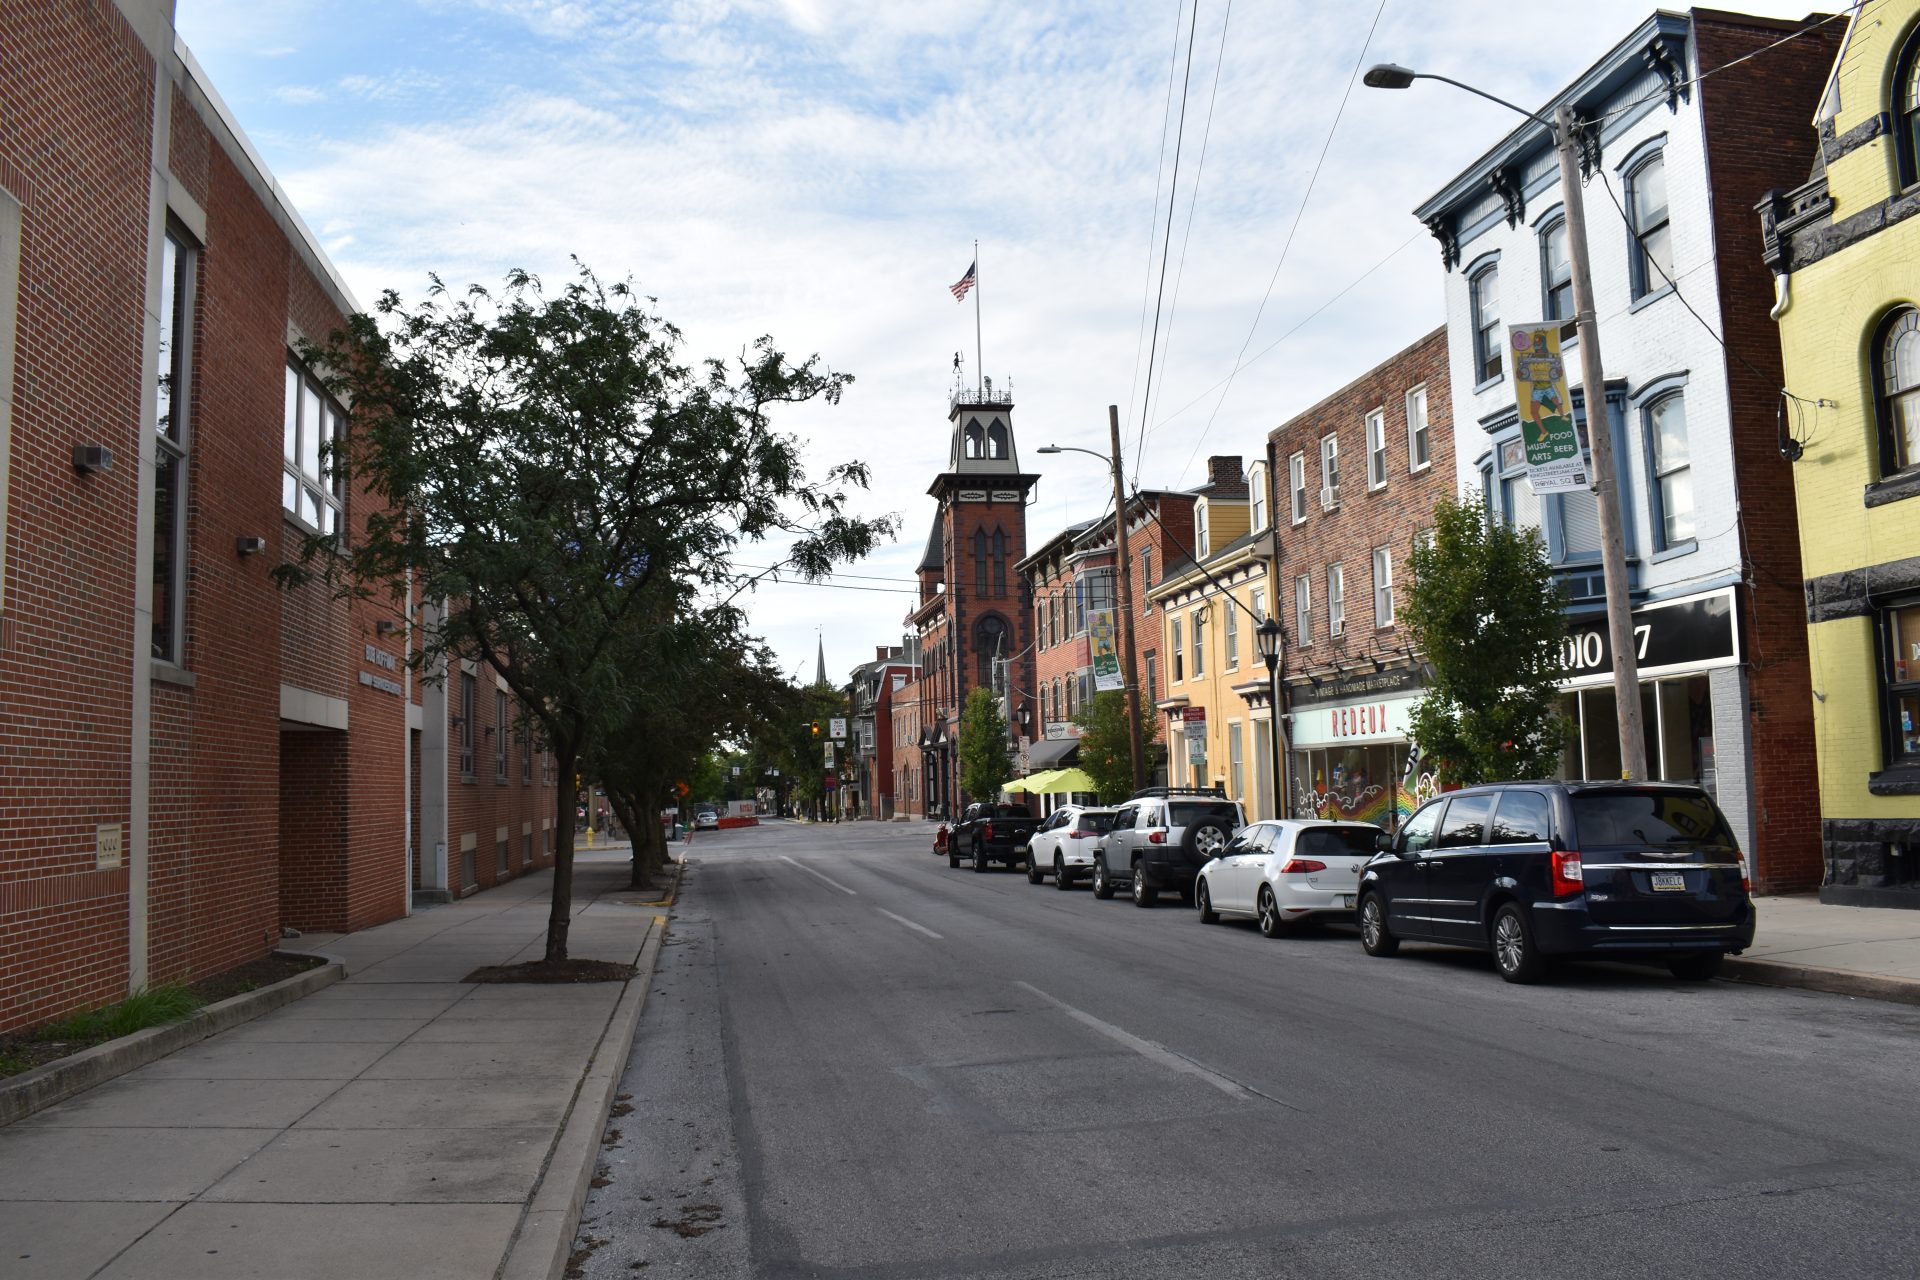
[(1287, 871), (1064, 844)]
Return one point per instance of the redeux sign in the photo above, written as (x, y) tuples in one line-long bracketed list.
[(1694, 633)]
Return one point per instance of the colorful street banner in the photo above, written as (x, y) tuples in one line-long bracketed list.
[(1554, 460), (1106, 655)]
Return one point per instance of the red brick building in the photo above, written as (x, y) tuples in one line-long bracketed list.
[(1349, 672), (192, 757), (973, 625)]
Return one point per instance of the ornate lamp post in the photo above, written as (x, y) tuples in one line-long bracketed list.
[(1267, 636)]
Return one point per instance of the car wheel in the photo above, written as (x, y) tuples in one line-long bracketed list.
[(953, 859), (1144, 894), (1102, 882), (1204, 901), (979, 857), (1061, 880), (1514, 952), (1695, 968), (1034, 874), (1374, 938), (1271, 924)]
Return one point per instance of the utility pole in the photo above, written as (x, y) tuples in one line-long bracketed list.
[(1123, 575), (1613, 551)]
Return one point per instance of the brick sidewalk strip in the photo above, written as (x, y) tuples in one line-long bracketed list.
[(400, 1123)]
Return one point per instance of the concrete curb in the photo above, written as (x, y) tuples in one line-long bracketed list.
[(1808, 977), (62, 1078), (543, 1241)]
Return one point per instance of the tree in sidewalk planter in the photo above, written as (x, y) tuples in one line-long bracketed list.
[(1485, 610), (986, 758), (1105, 753), (544, 470)]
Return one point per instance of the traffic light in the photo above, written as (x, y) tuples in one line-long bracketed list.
[(816, 728)]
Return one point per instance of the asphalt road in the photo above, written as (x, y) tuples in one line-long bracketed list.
[(858, 1062)]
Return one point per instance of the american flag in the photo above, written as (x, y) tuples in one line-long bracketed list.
[(964, 283)]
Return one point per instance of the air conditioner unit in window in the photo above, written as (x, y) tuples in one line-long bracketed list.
[(1329, 497)]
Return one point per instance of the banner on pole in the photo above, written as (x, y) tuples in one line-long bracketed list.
[(1555, 463), (1106, 654)]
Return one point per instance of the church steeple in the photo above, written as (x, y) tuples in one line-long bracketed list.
[(820, 663), (982, 431)]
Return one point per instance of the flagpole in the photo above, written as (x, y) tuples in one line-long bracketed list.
[(980, 368)]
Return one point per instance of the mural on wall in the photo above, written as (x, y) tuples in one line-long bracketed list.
[(1356, 784)]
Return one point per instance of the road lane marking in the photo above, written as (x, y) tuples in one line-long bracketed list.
[(1155, 1052), (910, 924), (829, 879)]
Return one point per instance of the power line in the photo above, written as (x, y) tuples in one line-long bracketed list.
[(1153, 219), (1298, 216), (865, 577), (1848, 12), (1166, 243)]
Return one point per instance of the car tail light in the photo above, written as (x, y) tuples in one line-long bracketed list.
[(1081, 833), (1156, 837), (1746, 877), (986, 832), (1567, 875), (1297, 865)]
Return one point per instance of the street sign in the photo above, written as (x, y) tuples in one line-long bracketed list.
[(1554, 462), (839, 732)]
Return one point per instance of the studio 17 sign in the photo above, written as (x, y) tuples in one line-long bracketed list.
[(1690, 634)]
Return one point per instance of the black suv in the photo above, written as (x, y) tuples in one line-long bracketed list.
[(1533, 871)]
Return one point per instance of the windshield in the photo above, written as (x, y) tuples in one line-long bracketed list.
[(1185, 814), (1335, 842), (1650, 819)]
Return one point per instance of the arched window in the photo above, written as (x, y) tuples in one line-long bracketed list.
[(1046, 706), (999, 561), (1906, 111), (989, 643), (1556, 270), (980, 561), (1652, 250), (1484, 291), (1670, 458), (1897, 376), (997, 440), (976, 440)]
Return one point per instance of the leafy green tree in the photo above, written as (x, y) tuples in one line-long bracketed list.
[(551, 476), (986, 759), (1104, 751), (1486, 612)]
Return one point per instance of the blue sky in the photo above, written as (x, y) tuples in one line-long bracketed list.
[(818, 170)]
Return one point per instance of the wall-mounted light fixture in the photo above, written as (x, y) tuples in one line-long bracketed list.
[(92, 457), (248, 545)]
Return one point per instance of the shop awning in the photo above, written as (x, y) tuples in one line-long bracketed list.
[(1051, 753)]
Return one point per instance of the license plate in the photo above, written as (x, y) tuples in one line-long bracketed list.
[(1346, 899), (1668, 880)]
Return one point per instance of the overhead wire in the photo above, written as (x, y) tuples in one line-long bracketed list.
[(1153, 219), (1617, 112), (1287, 245)]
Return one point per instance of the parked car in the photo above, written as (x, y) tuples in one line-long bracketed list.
[(1537, 871), (1063, 844), (1284, 872), (991, 833), (1160, 839), (706, 820)]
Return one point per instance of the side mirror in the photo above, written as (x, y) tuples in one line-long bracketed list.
[(1383, 842)]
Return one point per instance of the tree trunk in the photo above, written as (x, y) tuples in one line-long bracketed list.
[(642, 834), (560, 916)]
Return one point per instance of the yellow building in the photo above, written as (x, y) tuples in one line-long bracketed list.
[(1845, 249), (1218, 719)]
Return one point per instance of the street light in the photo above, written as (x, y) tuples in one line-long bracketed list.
[(1267, 637), (1613, 551), (1123, 574)]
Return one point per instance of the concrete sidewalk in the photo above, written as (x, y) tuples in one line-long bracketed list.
[(400, 1123), (1860, 951)]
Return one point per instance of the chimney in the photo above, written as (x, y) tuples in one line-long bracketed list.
[(879, 653), (1224, 476)]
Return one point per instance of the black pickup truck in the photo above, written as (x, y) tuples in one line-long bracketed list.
[(991, 833)]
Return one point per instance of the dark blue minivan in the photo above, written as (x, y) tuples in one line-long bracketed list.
[(1536, 871)]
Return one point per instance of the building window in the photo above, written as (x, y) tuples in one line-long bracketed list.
[(1517, 504), (1146, 579), (999, 562), (1040, 624), (1236, 775), (173, 395), (1899, 383), (525, 737), (468, 693), (1303, 609), (1556, 271), (1259, 599), (311, 488), (1419, 439), (980, 562), (1152, 661), (1070, 684), (1484, 294), (1377, 449), (1382, 587), (1652, 252), (1297, 485), (1258, 487), (1199, 663), (1046, 705), (1201, 549), (1230, 634), (1329, 472), (1902, 696), (1179, 654), (499, 735), (1336, 600), (1906, 112), (1672, 470)]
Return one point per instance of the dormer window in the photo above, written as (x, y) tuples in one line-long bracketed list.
[(1201, 539)]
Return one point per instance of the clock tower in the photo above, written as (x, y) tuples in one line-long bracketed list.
[(974, 621)]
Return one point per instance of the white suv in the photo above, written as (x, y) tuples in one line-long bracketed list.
[(1063, 845), (1160, 840)]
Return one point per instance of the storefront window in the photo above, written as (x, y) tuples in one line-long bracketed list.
[(1903, 683), (1676, 716), (1359, 784)]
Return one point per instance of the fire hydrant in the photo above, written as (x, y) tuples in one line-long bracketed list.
[(940, 840)]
